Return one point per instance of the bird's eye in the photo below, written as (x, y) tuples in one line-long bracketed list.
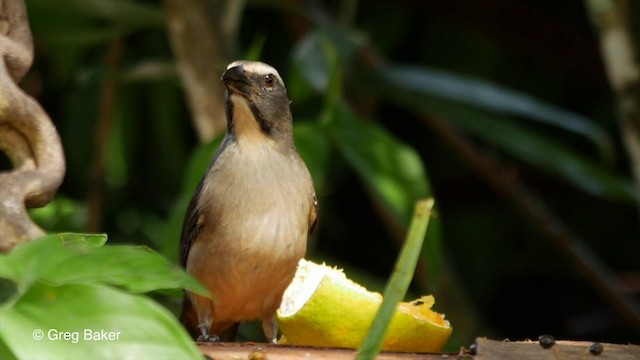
[(269, 81)]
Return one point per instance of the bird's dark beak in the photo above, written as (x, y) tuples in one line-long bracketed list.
[(236, 80)]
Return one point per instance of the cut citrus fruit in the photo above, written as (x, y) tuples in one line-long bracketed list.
[(322, 307)]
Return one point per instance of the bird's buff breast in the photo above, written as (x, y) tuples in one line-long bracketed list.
[(253, 234)]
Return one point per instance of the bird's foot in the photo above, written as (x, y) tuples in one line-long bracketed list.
[(208, 338), (205, 336)]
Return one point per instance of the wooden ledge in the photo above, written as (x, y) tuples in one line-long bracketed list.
[(261, 351), (483, 349), (561, 350)]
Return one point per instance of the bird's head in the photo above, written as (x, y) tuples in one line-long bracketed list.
[(257, 102)]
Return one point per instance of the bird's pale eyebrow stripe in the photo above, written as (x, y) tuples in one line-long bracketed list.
[(256, 68)]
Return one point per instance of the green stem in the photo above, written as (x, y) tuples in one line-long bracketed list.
[(400, 280)]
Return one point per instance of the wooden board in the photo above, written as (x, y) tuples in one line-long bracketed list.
[(485, 349), (260, 351), (561, 350)]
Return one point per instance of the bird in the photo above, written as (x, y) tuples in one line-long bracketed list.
[(248, 224)]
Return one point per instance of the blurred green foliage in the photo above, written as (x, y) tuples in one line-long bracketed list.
[(71, 285), (522, 80)]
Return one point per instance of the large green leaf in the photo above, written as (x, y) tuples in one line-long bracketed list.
[(394, 173), (495, 98), (391, 169), (312, 62), (313, 54), (138, 269), (128, 326), (549, 155), (32, 260), (64, 285), (67, 259), (520, 141)]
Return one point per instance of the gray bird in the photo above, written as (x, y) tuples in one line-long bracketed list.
[(247, 226)]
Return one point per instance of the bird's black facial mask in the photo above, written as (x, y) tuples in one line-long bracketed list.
[(261, 87)]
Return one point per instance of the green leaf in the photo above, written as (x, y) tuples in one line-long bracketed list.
[(317, 53), (64, 286), (394, 173), (86, 240), (494, 98), (517, 140), (34, 259), (75, 259), (553, 157), (131, 326), (137, 269), (400, 279), (310, 56), (391, 169)]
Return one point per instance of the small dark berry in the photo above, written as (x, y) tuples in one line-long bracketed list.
[(546, 341), (473, 349), (596, 348)]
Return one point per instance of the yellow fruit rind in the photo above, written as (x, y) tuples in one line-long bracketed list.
[(340, 316)]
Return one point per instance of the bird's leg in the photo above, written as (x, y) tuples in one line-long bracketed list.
[(204, 324), (270, 328), (204, 335)]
